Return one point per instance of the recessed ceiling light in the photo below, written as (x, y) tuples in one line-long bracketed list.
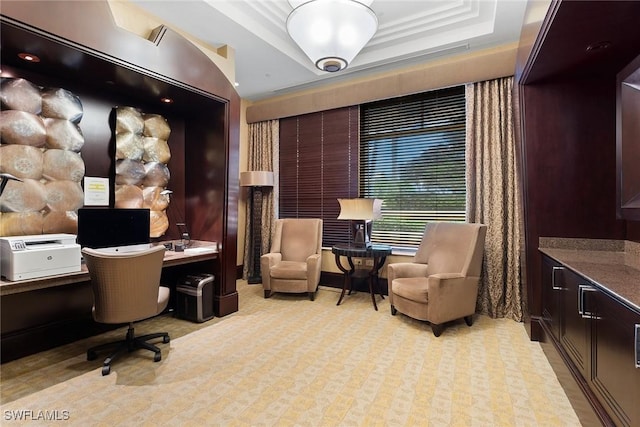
[(166, 100), (595, 47), (29, 57)]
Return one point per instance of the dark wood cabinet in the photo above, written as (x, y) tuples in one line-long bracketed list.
[(595, 332), (614, 378), (628, 141)]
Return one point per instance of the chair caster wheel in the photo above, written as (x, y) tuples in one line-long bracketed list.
[(166, 339), (91, 355), (105, 370), (157, 357)]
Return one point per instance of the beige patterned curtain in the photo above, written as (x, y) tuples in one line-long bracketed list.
[(492, 194), (264, 140)]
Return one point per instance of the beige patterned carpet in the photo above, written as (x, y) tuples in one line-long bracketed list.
[(289, 361)]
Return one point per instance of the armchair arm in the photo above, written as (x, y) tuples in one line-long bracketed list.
[(405, 269), (267, 261), (456, 296), (314, 269)]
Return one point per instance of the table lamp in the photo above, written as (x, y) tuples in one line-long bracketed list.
[(361, 213), (256, 180)]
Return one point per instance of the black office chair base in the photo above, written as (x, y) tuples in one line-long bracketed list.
[(129, 344)]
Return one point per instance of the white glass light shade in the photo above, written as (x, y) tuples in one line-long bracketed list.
[(256, 179), (360, 209), (331, 32), (296, 3)]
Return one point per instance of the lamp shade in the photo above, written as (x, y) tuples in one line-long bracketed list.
[(331, 32), (256, 179), (360, 209)]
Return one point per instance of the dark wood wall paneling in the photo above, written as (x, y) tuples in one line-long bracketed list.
[(570, 167), (567, 96)]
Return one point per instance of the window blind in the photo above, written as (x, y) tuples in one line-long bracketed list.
[(412, 155), (318, 165)]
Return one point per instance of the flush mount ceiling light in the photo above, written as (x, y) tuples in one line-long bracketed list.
[(331, 32)]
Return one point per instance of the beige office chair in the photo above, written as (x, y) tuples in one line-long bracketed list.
[(126, 289), (441, 284), (294, 262)]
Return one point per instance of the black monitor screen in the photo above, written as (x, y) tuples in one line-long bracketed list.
[(113, 228)]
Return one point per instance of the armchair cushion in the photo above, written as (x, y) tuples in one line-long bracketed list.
[(412, 288), (289, 270)]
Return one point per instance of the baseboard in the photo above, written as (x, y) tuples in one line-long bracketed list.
[(225, 304)]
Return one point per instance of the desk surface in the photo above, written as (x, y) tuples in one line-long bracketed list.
[(198, 251)]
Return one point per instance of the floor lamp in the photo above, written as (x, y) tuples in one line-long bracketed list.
[(256, 181)]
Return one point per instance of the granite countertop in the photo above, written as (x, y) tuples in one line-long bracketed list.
[(614, 265)]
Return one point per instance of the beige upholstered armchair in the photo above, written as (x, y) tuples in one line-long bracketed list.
[(126, 289), (441, 284), (294, 261)]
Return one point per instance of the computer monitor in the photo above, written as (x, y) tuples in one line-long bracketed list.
[(117, 230)]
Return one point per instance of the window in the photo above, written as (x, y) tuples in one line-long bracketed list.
[(318, 165), (412, 155)]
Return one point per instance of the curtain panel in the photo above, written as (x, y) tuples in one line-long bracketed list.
[(493, 194)]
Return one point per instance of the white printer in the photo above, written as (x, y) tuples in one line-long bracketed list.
[(30, 257)]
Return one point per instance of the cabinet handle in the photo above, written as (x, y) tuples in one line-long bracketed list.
[(553, 279), (582, 290), (637, 349)]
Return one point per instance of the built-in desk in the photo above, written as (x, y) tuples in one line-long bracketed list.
[(42, 313), (197, 251)]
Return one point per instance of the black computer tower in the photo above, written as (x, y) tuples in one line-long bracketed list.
[(194, 297)]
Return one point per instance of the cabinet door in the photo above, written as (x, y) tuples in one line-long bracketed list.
[(614, 375), (575, 331), (552, 288)]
